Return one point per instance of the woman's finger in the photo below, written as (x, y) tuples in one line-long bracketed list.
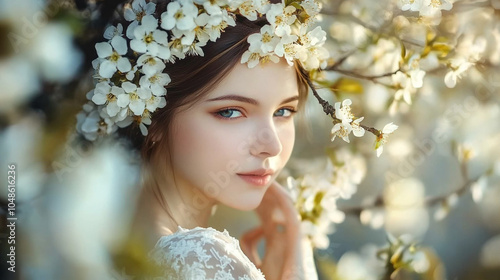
[(284, 202), (249, 242)]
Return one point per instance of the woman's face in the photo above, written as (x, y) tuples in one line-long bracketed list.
[(233, 143)]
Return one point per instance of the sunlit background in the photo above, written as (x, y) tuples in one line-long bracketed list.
[(427, 208)]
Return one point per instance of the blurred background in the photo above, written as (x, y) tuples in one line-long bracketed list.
[(427, 208)]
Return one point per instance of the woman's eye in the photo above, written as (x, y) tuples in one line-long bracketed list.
[(229, 113), (285, 112)]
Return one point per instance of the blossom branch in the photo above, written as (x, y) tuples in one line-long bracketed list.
[(330, 110), (359, 76)]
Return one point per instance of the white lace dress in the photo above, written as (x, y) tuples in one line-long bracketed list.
[(203, 253)]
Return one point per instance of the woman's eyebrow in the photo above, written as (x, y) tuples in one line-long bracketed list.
[(249, 100)]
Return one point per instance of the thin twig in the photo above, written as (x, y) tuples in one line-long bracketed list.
[(360, 76)]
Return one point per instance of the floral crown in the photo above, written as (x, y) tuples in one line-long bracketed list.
[(130, 82)]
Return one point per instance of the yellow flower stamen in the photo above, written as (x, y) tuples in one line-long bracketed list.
[(178, 15), (114, 56)]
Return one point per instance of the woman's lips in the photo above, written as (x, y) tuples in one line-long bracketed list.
[(256, 179)]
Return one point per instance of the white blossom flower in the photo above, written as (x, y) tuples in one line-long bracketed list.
[(188, 37), (342, 130), (180, 14), (177, 49), (343, 112), (404, 87), (458, 66), (156, 83), (138, 10), (104, 94), (253, 58), (264, 41), (410, 5), (357, 130), (147, 38), (315, 55), (382, 138), (199, 36), (310, 194), (195, 49), (120, 116), (432, 8), (416, 74), (426, 8), (314, 37), (312, 8), (262, 6), (215, 24), (134, 99), (113, 31), (202, 32), (316, 58), (150, 64), (246, 8), (112, 57), (346, 125), (287, 47), (88, 122), (88, 125), (281, 18), (155, 102), (212, 7), (91, 124)]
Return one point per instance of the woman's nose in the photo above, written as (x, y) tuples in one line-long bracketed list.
[(267, 142)]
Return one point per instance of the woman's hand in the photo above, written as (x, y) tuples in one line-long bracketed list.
[(280, 227)]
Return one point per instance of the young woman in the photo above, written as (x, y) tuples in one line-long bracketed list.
[(226, 147), (223, 136)]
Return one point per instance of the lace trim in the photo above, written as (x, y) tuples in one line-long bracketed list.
[(192, 253)]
